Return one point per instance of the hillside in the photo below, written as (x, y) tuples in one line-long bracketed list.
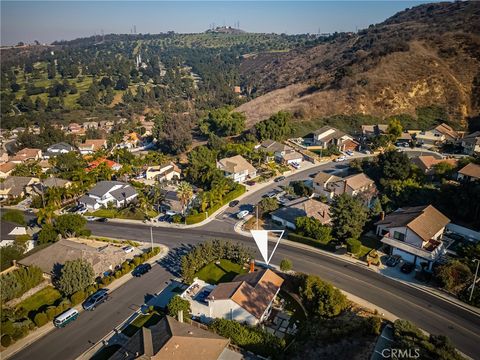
[(427, 55)]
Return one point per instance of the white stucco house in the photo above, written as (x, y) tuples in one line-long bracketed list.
[(164, 172), (108, 192), (237, 168)]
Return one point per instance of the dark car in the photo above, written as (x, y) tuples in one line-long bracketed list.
[(102, 220), (141, 269), (392, 260), (234, 203), (407, 268), (96, 299), (250, 183), (280, 178)]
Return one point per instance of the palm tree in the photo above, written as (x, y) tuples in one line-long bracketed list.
[(220, 187), (45, 214), (184, 193)]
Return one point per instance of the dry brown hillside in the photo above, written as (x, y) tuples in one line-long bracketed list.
[(427, 55)]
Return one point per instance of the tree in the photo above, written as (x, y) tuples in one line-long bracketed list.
[(51, 70), (173, 133), (301, 189), (349, 216), (395, 129), (394, 165), (70, 224), (313, 228), (223, 122), (268, 205), (276, 127), (10, 253), (444, 169), (47, 234), (176, 304), (321, 298), (184, 193), (75, 275), (286, 265), (454, 276)]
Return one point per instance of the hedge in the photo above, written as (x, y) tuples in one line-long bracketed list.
[(40, 319), (193, 219), (309, 241), (17, 282), (353, 245), (77, 297)]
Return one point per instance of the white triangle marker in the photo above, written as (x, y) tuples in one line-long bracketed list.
[(261, 239)]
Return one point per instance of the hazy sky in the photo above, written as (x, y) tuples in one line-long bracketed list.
[(47, 21)]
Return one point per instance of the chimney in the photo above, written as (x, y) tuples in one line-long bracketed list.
[(180, 316), (382, 215), (147, 342), (252, 265)]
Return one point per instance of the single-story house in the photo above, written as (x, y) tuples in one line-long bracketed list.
[(165, 172), (50, 182), (92, 145), (299, 208), (109, 163), (248, 298), (471, 143), (281, 153), (108, 192), (90, 125), (328, 136), (10, 231), (237, 168), (171, 339), (470, 172), (75, 128), (414, 233), (6, 169), (26, 154), (17, 186), (57, 149), (426, 163)]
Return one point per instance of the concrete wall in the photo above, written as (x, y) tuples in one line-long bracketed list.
[(228, 309), (469, 233)]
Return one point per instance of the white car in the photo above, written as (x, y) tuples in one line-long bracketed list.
[(242, 214), (340, 159), (128, 249), (91, 218), (82, 211), (349, 152), (295, 165)]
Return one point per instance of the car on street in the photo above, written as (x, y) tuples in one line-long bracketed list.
[(280, 178), (141, 270), (128, 249), (96, 299), (393, 260), (407, 268), (349, 152), (91, 218), (233, 203), (103, 219), (295, 165), (340, 159), (250, 182), (242, 214)]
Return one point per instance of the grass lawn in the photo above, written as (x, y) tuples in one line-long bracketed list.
[(217, 273), (46, 296), (368, 243), (107, 213), (142, 320)]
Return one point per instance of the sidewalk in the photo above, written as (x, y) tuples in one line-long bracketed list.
[(44, 330), (428, 289)]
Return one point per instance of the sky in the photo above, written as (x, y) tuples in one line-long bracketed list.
[(47, 21)]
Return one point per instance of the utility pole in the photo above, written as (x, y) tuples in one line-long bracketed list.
[(257, 214), (151, 236), (474, 279)]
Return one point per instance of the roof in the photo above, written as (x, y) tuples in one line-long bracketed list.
[(7, 167), (304, 207), (471, 170), (274, 146), (323, 178), (25, 154), (124, 192), (61, 146), (447, 131), (293, 155), (358, 181), (425, 221), (375, 129), (472, 138), (93, 144), (6, 230), (426, 162), (95, 163), (103, 187), (17, 184), (253, 291), (328, 133), (171, 339), (55, 182), (236, 164)]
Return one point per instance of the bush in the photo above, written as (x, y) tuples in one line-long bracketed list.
[(7, 327), (309, 241), (40, 319), (285, 265), (77, 297), (321, 298), (353, 245), (75, 275), (16, 283), (91, 289), (50, 312), (6, 340), (137, 260), (373, 325), (118, 274), (454, 276), (106, 280)]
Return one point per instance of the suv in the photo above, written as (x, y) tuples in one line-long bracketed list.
[(96, 299), (280, 178), (141, 269)]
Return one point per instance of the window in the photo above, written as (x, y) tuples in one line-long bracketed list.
[(398, 236)]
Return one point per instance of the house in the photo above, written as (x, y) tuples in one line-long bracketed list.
[(470, 172), (75, 128), (90, 125), (426, 163), (108, 192), (248, 298), (171, 339), (471, 143), (49, 183), (404, 139), (237, 168), (6, 169), (414, 233), (448, 132), (369, 131), (109, 163), (299, 208), (165, 172), (106, 125), (3, 156), (45, 165), (9, 233), (92, 145), (437, 136), (26, 154), (328, 136), (57, 149), (329, 185), (131, 140), (282, 153), (17, 186)]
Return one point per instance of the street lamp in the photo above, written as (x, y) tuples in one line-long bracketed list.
[(474, 279)]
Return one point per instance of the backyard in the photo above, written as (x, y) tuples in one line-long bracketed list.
[(224, 271)]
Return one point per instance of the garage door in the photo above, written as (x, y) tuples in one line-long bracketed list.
[(405, 256)]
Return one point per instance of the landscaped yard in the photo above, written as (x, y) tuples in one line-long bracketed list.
[(46, 296), (217, 273), (122, 214), (142, 320), (369, 242)]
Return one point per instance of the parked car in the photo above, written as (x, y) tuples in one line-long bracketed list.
[(340, 159), (349, 152), (91, 218), (141, 270), (242, 214), (128, 249), (295, 165), (393, 260), (82, 210), (250, 183), (280, 178), (407, 268), (102, 219), (233, 203), (96, 299)]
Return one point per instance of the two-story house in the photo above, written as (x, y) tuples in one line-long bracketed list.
[(108, 192), (471, 143), (17, 186), (91, 146), (237, 168), (165, 172), (470, 172), (26, 154), (414, 233), (58, 149), (282, 153), (328, 136)]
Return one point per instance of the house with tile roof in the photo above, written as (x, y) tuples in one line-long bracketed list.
[(301, 207), (248, 298), (164, 172), (237, 168), (470, 172), (6, 169), (328, 136), (108, 192), (471, 143), (26, 154), (109, 163), (171, 339), (414, 233), (426, 163), (92, 145)]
